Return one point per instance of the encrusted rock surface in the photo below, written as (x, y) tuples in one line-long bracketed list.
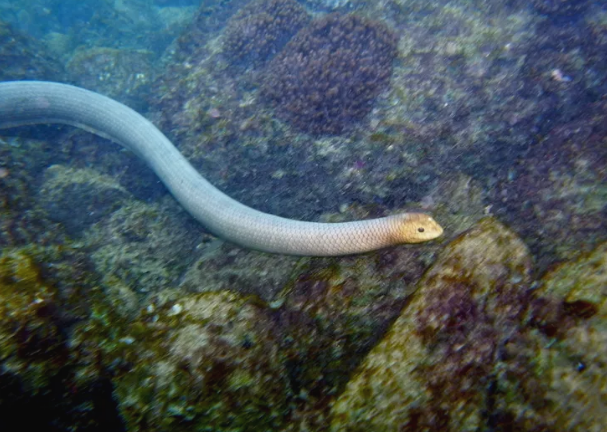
[(328, 76), (79, 197), (204, 362), (477, 348)]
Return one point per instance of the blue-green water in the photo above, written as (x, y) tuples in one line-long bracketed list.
[(120, 312)]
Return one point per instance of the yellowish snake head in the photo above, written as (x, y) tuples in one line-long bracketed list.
[(418, 228)]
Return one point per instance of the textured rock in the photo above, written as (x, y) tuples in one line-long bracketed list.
[(79, 197), (328, 76), (46, 296), (146, 247), (332, 312), (124, 75), (556, 196), (24, 58), (29, 332), (260, 29), (477, 349), (432, 369), (228, 267), (204, 362)]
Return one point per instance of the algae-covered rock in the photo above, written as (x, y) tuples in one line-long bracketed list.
[(333, 311), (46, 297), (204, 362), (24, 58), (79, 197), (581, 283), (144, 246), (574, 367), (477, 349), (228, 267), (432, 369), (124, 75), (31, 343)]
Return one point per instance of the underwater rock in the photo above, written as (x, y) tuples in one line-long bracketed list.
[(228, 267), (21, 221), (582, 283), (25, 58), (433, 368), (204, 362), (556, 8), (477, 349), (32, 346), (260, 29), (44, 294), (146, 247), (556, 196), (333, 312), (79, 197), (569, 371), (328, 76), (124, 74)]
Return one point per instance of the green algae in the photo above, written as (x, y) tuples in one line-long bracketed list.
[(204, 361), (426, 368), (581, 281), (477, 346)]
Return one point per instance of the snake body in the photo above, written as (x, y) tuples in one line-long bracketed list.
[(37, 102)]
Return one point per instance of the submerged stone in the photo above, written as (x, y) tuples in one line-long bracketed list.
[(204, 362), (432, 369), (79, 197), (478, 349)]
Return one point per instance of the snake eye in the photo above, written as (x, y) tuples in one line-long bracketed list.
[(421, 229)]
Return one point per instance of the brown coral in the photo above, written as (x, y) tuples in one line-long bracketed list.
[(328, 76), (260, 29)]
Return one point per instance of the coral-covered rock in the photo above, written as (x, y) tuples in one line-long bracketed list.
[(477, 349), (260, 29), (79, 197), (204, 362), (24, 58), (433, 368), (556, 196), (328, 76), (145, 247)]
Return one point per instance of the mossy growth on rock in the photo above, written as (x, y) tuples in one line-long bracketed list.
[(23, 57), (203, 362), (478, 349), (93, 194), (31, 343), (328, 76)]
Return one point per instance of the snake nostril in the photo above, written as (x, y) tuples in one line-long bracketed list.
[(421, 229)]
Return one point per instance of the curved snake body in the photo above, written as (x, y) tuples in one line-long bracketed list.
[(36, 102)]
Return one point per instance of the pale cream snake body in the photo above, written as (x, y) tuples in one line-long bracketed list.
[(37, 102)]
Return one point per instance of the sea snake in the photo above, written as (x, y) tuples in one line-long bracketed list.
[(36, 102)]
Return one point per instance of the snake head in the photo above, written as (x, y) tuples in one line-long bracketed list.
[(419, 227)]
